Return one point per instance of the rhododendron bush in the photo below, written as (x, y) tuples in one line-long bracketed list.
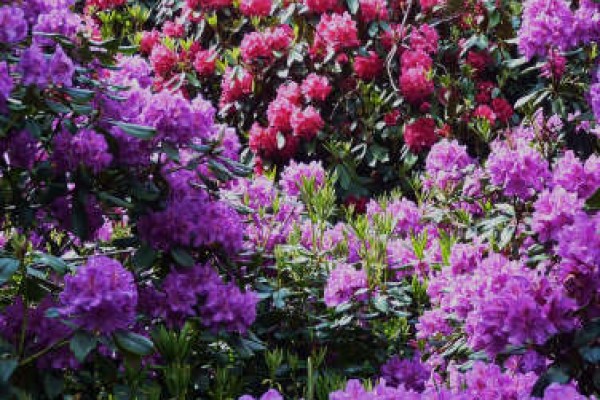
[(322, 199)]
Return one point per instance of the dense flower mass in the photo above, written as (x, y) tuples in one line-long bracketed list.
[(342, 284), (101, 296), (323, 199)]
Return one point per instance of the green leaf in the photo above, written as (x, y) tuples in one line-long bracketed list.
[(593, 203), (381, 304), (280, 141), (590, 354), (528, 97), (8, 266), (587, 334), (556, 373), (182, 257), (134, 343), (144, 257), (80, 95), (138, 131), (79, 220), (53, 385), (58, 108), (7, 367), (109, 198), (352, 6), (81, 344)]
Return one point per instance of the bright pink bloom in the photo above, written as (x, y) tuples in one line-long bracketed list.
[(254, 47), (485, 112), (306, 123), (256, 8), (208, 4), (149, 40), (425, 38), (162, 59), (321, 6), (372, 10), (236, 83), (415, 58), (205, 62), (316, 87), (290, 91), (427, 5), (415, 85), (173, 29), (279, 114), (369, 67), (337, 32)]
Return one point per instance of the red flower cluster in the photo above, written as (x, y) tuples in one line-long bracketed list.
[(420, 135), (369, 67), (261, 45), (416, 82)]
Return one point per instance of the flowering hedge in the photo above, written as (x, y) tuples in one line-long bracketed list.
[(321, 199)]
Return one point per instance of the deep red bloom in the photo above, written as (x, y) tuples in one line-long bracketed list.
[(502, 109), (162, 59), (485, 112), (173, 29), (369, 67), (420, 135), (149, 40), (205, 62), (391, 118), (415, 85)]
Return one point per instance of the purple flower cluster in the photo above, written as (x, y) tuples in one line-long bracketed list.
[(193, 221), (272, 394), (41, 332), (13, 26), (410, 373), (295, 174), (57, 21), (446, 165), (37, 69), (577, 177), (519, 170), (579, 269), (21, 149), (405, 214), (100, 297), (86, 148), (274, 215), (553, 210), (501, 302), (356, 391), (6, 83), (594, 95), (62, 210), (546, 24), (482, 381), (343, 282), (200, 292)]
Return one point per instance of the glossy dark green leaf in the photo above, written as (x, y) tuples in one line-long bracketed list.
[(555, 373), (144, 257), (81, 344), (593, 202), (7, 367), (352, 6), (182, 257), (138, 131), (134, 343), (8, 266)]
